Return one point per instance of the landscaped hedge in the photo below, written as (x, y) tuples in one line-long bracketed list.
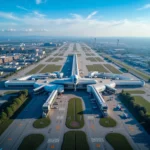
[(9, 108)]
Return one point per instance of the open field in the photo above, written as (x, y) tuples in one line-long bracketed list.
[(41, 123), (140, 102), (112, 69), (89, 54), (75, 119), (75, 140), (31, 142), (118, 141), (96, 67), (50, 59), (36, 69), (57, 59), (129, 68), (91, 59), (99, 59), (135, 92), (94, 59), (143, 102), (107, 122), (51, 68)]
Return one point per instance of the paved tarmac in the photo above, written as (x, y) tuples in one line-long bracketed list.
[(22, 125)]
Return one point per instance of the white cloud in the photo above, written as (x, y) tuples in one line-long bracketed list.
[(76, 25), (36, 13), (8, 16), (147, 6), (40, 1), (91, 15), (20, 7)]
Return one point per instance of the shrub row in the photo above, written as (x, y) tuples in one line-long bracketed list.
[(137, 110), (10, 107)]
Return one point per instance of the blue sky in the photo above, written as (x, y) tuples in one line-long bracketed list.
[(75, 17)]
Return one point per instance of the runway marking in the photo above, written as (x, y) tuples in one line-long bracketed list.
[(96, 140), (98, 145), (57, 127), (92, 127), (52, 146), (54, 140), (61, 109), (59, 117), (131, 128), (9, 139), (90, 117), (20, 124)]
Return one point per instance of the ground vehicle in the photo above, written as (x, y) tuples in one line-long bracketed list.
[(125, 115), (119, 107)]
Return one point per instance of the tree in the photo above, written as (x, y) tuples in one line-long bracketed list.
[(3, 116), (149, 80), (141, 113), (143, 109), (25, 92), (9, 111), (17, 101), (137, 107), (13, 107)]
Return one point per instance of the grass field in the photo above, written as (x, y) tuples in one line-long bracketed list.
[(36, 69), (94, 59), (51, 68), (96, 67), (50, 59), (112, 69), (140, 100), (75, 140), (135, 92), (99, 59), (57, 59), (131, 69), (75, 119), (143, 102), (91, 59), (107, 122), (41, 123), (31, 142), (118, 141)]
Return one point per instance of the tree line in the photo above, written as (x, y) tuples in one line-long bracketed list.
[(137, 110), (8, 109)]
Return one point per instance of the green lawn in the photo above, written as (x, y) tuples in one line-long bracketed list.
[(107, 122), (41, 122), (141, 74), (75, 140), (51, 68), (96, 67), (6, 123), (57, 59), (11, 92), (36, 69), (140, 100), (112, 69), (31, 142), (118, 141), (75, 114), (135, 92), (50, 59), (99, 59), (91, 59)]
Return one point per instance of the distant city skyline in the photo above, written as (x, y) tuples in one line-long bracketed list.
[(75, 18)]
